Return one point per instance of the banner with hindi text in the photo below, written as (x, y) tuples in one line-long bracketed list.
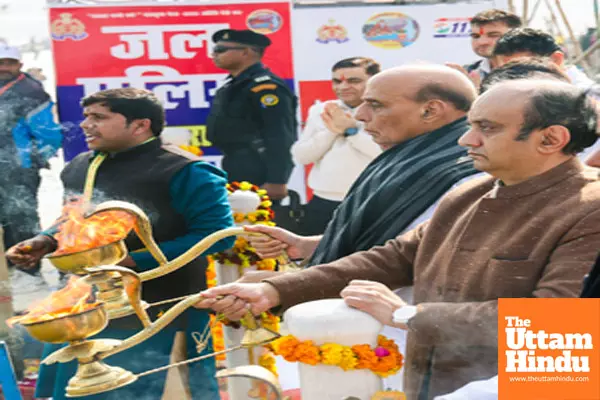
[(163, 48), (391, 34)]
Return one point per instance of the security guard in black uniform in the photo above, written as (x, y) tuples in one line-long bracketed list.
[(253, 116)]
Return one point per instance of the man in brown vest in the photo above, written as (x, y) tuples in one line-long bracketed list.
[(532, 229)]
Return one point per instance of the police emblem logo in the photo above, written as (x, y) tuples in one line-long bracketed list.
[(332, 32), (67, 27), (269, 100), (225, 36)]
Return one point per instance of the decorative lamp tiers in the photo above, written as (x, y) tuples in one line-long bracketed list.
[(118, 294)]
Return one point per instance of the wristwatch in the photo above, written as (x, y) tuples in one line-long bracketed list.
[(351, 131), (404, 314)]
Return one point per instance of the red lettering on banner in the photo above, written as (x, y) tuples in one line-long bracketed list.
[(176, 37)]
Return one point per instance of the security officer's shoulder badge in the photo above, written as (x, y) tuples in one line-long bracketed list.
[(262, 78), (269, 100)]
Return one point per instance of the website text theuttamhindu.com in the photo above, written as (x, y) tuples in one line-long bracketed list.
[(549, 379)]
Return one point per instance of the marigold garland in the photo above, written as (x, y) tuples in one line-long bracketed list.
[(243, 255), (263, 214), (384, 360)]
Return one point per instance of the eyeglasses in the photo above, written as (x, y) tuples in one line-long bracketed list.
[(219, 49)]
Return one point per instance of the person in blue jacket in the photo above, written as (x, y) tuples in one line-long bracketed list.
[(28, 138), (186, 200)]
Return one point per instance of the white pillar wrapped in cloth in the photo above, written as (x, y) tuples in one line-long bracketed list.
[(237, 389), (331, 321)]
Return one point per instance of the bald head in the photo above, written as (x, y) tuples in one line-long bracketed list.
[(404, 102), (524, 88), (427, 82)]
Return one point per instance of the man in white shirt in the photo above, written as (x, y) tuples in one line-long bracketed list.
[(335, 143)]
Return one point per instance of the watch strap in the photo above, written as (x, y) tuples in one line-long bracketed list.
[(351, 131), (404, 314)]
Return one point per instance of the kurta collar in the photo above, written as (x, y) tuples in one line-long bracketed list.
[(540, 182), (485, 65), (151, 144)]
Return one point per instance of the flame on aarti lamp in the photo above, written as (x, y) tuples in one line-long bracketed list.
[(74, 298), (77, 233)]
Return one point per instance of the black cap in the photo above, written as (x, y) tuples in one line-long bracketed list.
[(245, 36)]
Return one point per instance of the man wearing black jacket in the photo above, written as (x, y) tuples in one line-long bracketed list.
[(252, 118)]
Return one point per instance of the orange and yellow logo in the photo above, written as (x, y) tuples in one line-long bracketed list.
[(265, 22), (67, 27), (390, 30), (332, 32), (549, 349)]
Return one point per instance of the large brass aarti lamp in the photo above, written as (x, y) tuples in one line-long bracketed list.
[(119, 295)]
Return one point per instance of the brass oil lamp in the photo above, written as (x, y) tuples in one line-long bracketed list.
[(118, 294)]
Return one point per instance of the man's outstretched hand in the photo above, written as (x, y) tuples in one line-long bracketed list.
[(28, 253), (373, 298), (235, 299), (276, 241)]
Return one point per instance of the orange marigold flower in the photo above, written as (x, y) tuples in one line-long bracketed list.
[(366, 356), (387, 343), (217, 337), (285, 347), (307, 353)]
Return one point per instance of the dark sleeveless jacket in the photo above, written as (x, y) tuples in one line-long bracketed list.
[(142, 176)]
